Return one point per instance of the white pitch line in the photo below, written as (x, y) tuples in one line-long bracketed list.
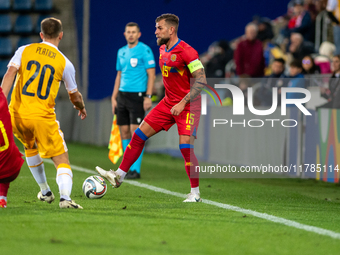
[(264, 216)]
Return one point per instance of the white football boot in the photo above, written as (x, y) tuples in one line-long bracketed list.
[(193, 197), (49, 197), (111, 176), (63, 204)]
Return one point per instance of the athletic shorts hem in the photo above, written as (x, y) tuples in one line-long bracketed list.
[(10, 177), (55, 155), (155, 126)]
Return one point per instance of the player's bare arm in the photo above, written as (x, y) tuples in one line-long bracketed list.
[(115, 91), (8, 80), (151, 81), (77, 100), (200, 80)]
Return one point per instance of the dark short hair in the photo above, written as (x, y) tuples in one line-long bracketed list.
[(51, 27), (280, 60), (132, 24), (169, 18), (337, 56), (296, 63)]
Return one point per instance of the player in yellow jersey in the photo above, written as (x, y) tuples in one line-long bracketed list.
[(39, 68)]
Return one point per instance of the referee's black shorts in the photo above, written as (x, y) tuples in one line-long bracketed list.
[(130, 108)]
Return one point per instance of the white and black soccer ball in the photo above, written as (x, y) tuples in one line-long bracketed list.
[(94, 187)]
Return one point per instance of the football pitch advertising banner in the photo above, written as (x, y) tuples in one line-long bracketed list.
[(322, 153), (243, 135)]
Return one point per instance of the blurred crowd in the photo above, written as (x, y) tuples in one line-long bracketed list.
[(303, 43)]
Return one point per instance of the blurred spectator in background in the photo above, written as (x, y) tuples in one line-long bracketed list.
[(310, 6), (290, 8), (265, 29), (271, 52), (265, 34), (301, 22), (323, 25), (332, 93), (311, 72), (323, 60), (296, 79), (300, 48), (244, 82), (309, 67), (334, 14), (205, 58), (327, 49), (222, 54), (275, 80), (248, 55)]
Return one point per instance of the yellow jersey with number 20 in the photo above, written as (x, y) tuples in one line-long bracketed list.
[(41, 67)]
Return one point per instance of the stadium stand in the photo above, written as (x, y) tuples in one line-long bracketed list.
[(6, 48), (20, 25), (43, 5), (3, 67), (23, 25), (5, 24), (22, 5), (41, 17), (23, 41), (5, 5)]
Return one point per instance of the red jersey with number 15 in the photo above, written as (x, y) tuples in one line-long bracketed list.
[(176, 75)]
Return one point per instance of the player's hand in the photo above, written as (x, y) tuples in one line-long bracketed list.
[(114, 105), (177, 109), (81, 112), (147, 103)]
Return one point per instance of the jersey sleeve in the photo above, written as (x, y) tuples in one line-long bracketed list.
[(118, 66), (69, 77), (148, 58), (16, 59), (191, 59)]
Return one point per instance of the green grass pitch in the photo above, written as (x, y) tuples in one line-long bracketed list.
[(135, 220)]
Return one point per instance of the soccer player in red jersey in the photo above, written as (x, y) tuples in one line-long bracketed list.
[(10, 157), (179, 62)]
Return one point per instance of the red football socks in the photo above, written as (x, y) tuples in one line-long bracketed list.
[(190, 163), (4, 189), (133, 150)]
